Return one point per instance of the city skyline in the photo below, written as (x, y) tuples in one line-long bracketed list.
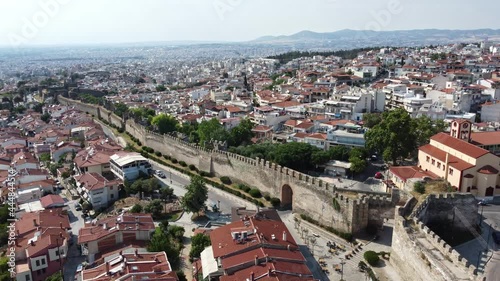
[(70, 22)]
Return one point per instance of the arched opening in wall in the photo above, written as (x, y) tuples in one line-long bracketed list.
[(489, 191), (286, 197)]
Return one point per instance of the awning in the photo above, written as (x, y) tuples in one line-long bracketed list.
[(208, 262)]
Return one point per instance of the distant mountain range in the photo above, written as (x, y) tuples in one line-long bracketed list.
[(397, 37)]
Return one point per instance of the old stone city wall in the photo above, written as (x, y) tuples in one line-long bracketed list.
[(418, 253), (306, 194)]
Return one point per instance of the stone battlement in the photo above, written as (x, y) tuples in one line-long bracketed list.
[(307, 194)]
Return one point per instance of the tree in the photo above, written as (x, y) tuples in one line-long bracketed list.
[(136, 209), (371, 119), (393, 137), (294, 155), (166, 193), (320, 157), (4, 269), (424, 128), (419, 187), (45, 157), (120, 109), (46, 117), (242, 134), (198, 243), (357, 165), (339, 152), (164, 123), (196, 195), (211, 130), (176, 232), (161, 88), (161, 242), (371, 258), (155, 208)]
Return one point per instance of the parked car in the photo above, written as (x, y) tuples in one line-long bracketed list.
[(160, 174), (496, 236), (378, 175), (484, 202)]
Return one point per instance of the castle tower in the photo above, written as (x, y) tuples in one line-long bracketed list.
[(461, 129)]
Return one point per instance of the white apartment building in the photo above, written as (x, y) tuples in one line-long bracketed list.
[(128, 166)]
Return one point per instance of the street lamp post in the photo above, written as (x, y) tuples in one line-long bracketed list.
[(170, 176), (342, 262), (481, 218)]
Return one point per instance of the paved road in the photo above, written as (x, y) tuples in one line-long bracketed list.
[(74, 257), (491, 216)]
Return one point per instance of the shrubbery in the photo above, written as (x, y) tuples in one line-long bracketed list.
[(225, 180), (276, 202), (158, 154), (419, 187), (255, 193), (371, 258), (192, 167), (182, 163)]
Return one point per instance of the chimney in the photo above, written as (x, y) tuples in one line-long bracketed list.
[(284, 235), (136, 226), (288, 247), (60, 234), (107, 267), (117, 226), (136, 219), (104, 226), (60, 225), (256, 258), (252, 276), (121, 253), (32, 243), (269, 271), (34, 222), (136, 253), (17, 232)]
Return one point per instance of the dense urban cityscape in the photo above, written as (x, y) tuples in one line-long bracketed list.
[(346, 155)]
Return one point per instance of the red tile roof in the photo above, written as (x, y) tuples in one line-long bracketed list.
[(51, 200), (125, 222), (453, 161), (269, 252), (132, 266), (460, 145), (410, 172), (485, 138)]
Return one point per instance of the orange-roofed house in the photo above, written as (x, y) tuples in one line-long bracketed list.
[(97, 190), (105, 234), (467, 167), (254, 248), (41, 244), (131, 264)]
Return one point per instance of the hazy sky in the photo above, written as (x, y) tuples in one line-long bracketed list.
[(31, 22)]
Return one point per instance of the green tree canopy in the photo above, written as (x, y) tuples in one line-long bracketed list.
[(196, 195), (424, 128), (155, 208), (394, 136), (120, 109), (211, 130), (295, 155), (160, 242), (164, 123), (198, 243), (371, 119), (46, 117), (242, 134)]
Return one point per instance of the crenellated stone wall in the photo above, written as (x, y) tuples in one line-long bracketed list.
[(420, 254), (338, 208)]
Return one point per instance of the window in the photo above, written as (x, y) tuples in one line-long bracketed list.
[(433, 161), (57, 253), (451, 171), (112, 196), (37, 263), (428, 158), (439, 164), (27, 278), (43, 261)]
